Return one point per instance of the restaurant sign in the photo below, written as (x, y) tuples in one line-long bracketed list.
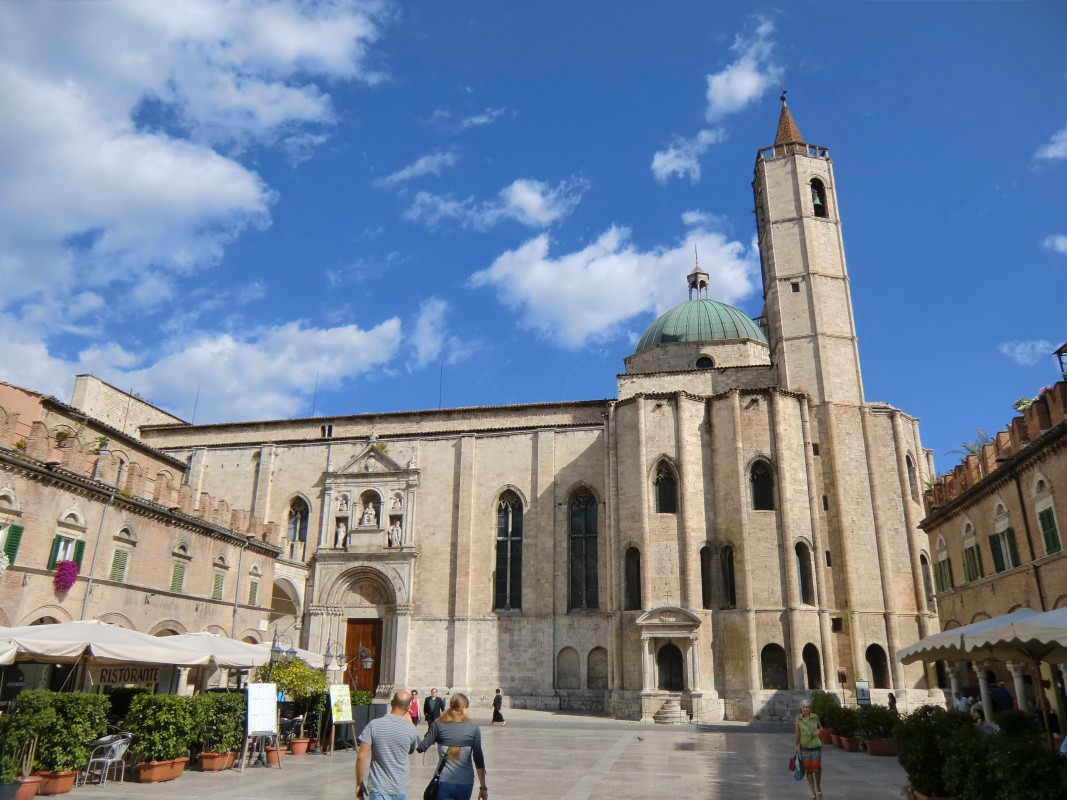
[(110, 676)]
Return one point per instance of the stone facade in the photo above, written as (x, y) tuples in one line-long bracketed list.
[(72, 488), (996, 535), (736, 527)]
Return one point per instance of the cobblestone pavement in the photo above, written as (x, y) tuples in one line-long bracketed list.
[(544, 755)]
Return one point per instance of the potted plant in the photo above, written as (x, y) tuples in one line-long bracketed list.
[(162, 725), (8, 786), (876, 725), (301, 683), (66, 576), (31, 714), (846, 722), (824, 705), (61, 437), (923, 740), (62, 748), (219, 716)]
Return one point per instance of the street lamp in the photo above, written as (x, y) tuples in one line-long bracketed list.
[(281, 649)]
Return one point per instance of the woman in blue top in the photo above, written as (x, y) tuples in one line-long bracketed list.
[(459, 742)]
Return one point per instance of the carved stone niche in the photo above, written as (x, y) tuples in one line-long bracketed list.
[(374, 501)]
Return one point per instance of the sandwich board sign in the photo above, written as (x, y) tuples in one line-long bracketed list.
[(262, 709)]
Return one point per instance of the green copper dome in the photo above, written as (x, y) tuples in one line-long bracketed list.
[(701, 320)]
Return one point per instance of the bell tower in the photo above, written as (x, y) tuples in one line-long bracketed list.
[(808, 308)]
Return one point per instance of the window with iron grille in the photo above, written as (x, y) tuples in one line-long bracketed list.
[(507, 582)]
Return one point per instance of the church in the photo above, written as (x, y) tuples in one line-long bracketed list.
[(738, 526)]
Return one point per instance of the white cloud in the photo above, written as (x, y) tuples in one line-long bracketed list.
[(1056, 147), (432, 164), (1026, 353), (1056, 242), (682, 158), (487, 117), (590, 294), (747, 78), (431, 339), (532, 203), (112, 115), (729, 91)]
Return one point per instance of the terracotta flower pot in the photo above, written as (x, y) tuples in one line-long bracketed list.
[(214, 762), (825, 736), (835, 739), (59, 782), (27, 787), (881, 747), (850, 744), (274, 756), (299, 747), (158, 771)]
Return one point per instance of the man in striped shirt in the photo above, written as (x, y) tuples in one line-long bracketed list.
[(384, 746)]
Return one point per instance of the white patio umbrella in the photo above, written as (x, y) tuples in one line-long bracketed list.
[(8, 649), (952, 645), (224, 653), (1033, 637), (98, 643), (311, 659)]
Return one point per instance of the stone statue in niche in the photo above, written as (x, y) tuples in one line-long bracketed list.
[(370, 519), (395, 534), (342, 504), (397, 501), (341, 534), (411, 463), (368, 465)]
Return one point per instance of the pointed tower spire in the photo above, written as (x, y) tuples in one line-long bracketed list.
[(698, 278), (788, 132)]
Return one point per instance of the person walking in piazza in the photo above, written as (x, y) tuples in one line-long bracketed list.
[(498, 704), (384, 747), (413, 709), (432, 708), (459, 743), (809, 748)]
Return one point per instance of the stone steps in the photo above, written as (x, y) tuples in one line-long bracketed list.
[(670, 713)]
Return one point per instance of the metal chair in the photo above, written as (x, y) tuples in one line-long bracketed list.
[(107, 754)]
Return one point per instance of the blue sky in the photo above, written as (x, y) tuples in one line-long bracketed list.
[(477, 203)]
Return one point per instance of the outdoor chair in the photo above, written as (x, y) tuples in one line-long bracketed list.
[(107, 754)]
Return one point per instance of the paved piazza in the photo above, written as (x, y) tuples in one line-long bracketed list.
[(544, 755)]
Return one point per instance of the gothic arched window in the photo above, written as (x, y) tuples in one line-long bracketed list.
[(762, 480), (818, 198), (584, 589), (296, 532), (705, 576), (507, 584), (913, 481), (632, 580), (729, 589), (666, 489), (804, 581)]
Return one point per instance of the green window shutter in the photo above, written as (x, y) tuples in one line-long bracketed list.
[(968, 572), (79, 551), (1013, 553), (216, 586), (1048, 531), (949, 582), (937, 577), (998, 555), (177, 577), (118, 566), (979, 571), (11, 545), (253, 590), (54, 555)]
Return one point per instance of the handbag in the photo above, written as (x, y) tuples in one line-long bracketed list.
[(797, 766), (434, 786)]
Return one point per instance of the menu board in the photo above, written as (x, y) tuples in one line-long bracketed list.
[(340, 703), (262, 708)]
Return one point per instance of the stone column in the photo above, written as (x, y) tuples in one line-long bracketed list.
[(646, 665), (1016, 668), (979, 668), (953, 682), (403, 631), (183, 681), (694, 664)]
